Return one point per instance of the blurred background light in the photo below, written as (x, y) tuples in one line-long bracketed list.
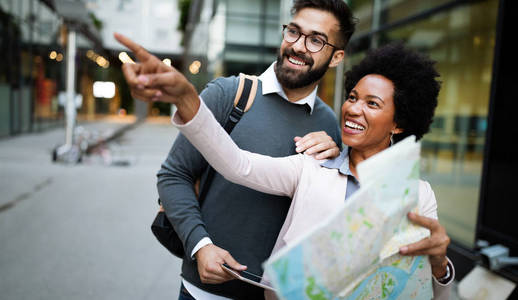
[(90, 54), (104, 89), (194, 68), (124, 58)]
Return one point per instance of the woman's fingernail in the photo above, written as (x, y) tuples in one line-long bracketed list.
[(298, 149), (297, 144), (403, 249)]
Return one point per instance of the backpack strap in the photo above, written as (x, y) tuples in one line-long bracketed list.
[(245, 95), (247, 86)]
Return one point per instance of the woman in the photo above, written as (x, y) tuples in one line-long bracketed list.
[(392, 94)]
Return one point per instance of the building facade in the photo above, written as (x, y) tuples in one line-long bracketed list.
[(33, 76), (33, 42)]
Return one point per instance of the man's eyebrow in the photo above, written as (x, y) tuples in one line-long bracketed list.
[(294, 24), (314, 32)]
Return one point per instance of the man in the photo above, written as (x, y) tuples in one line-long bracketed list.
[(236, 224)]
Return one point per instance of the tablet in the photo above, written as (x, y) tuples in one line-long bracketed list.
[(247, 277)]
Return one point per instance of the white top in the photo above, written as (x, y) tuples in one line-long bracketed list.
[(298, 176)]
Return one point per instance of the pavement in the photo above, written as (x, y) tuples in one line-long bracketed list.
[(82, 231)]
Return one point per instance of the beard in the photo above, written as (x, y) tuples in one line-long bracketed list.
[(294, 79)]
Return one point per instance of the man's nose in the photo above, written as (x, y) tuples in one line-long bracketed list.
[(300, 45)]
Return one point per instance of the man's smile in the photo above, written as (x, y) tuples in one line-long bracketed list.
[(296, 61)]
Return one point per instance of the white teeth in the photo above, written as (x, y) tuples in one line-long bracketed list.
[(297, 62), (354, 125)]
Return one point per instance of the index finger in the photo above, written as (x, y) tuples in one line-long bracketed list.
[(423, 221), (416, 248), (139, 51)]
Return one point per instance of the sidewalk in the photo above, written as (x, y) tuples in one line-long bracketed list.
[(83, 231), (26, 150)]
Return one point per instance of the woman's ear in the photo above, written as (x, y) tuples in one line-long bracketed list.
[(397, 130)]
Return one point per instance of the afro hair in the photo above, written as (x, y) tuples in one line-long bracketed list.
[(415, 86)]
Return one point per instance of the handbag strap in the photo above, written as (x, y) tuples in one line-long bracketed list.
[(245, 95)]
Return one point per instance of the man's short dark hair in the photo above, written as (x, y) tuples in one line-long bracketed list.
[(338, 8), (415, 85)]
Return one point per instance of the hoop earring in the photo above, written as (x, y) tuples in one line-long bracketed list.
[(391, 139)]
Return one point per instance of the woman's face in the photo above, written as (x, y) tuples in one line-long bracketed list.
[(368, 114)]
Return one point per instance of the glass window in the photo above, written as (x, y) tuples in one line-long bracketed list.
[(462, 41), (253, 34), (5, 5), (48, 67), (395, 10), (362, 10)]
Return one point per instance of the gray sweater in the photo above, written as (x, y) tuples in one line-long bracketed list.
[(240, 220)]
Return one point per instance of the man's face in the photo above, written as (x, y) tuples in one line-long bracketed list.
[(297, 67)]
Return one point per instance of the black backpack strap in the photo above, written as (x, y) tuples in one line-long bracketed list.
[(245, 95)]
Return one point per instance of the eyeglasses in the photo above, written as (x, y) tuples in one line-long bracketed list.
[(313, 42)]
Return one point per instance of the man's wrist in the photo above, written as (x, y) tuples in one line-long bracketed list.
[(202, 243)]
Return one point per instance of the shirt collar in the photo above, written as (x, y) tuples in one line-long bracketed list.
[(271, 85), (341, 162)]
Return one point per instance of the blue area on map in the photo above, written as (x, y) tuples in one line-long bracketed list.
[(401, 276), (289, 274), (292, 282)]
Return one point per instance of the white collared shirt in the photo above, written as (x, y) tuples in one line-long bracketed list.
[(271, 85)]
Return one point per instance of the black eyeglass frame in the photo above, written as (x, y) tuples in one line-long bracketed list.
[(305, 40)]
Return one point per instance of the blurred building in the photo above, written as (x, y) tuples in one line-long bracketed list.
[(152, 23), (33, 40)]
